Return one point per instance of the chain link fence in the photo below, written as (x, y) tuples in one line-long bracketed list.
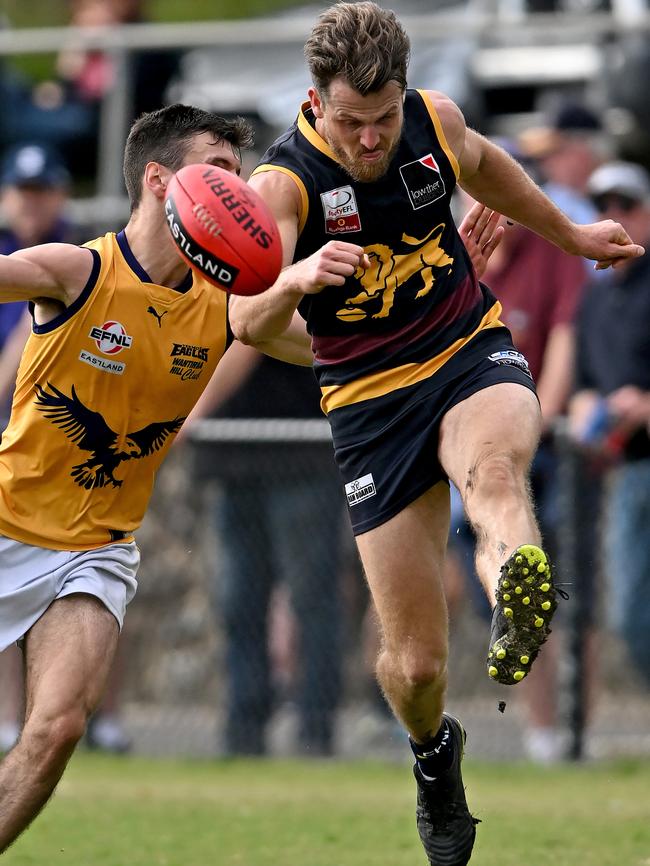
[(251, 630)]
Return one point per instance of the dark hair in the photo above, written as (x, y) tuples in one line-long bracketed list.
[(361, 42), (165, 136)]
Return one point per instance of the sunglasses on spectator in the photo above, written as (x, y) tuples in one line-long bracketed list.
[(615, 201)]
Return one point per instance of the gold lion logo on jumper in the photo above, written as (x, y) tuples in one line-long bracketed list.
[(388, 271)]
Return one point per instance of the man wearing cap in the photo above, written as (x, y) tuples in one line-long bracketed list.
[(567, 150), (33, 192), (613, 382)]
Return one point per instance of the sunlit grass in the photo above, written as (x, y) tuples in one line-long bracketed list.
[(137, 812)]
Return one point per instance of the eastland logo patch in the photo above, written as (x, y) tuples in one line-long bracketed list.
[(423, 181)]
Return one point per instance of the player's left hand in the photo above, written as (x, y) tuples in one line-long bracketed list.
[(607, 243), (481, 233)]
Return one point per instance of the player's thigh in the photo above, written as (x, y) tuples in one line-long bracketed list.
[(68, 656), (502, 419), (402, 561)]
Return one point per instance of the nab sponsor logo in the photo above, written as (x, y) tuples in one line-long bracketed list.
[(111, 338), (423, 181), (341, 211), (360, 489)]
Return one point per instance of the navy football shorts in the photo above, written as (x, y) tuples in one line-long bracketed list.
[(387, 448)]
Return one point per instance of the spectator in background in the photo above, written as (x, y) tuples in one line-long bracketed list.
[(34, 186), (279, 522), (87, 74), (37, 114), (34, 190), (610, 409), (567, 150)]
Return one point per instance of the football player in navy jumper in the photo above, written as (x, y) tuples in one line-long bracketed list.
[(419, 377)]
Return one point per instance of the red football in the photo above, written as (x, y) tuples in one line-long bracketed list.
[(223, 229)]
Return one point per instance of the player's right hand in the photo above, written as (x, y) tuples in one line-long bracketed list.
[(331, 265)]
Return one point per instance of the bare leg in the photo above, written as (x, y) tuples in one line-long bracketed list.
[(403, 562), (68, 654), (487, 443), (11, 693)]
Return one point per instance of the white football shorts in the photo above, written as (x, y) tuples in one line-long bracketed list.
[(31, 578)]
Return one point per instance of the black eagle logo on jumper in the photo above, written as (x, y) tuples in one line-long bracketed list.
[(154, 312), (88, 430)]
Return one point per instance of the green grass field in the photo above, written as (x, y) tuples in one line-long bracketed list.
[(137, 812)]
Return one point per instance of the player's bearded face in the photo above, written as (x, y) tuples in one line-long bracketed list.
[(355, 160), (363, 131)]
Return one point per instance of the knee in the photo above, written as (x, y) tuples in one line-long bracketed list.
[(496, 474), (52, 738), (423, 670)]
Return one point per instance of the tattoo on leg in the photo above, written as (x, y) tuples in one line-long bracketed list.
[(502, 548)]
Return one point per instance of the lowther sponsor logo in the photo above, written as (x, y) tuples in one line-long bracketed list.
[(423, 181)]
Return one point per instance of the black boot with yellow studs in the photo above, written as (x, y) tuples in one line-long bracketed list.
[(526, 600)]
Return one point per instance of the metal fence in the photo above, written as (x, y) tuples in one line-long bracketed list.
[(176, 649), (247, 504)]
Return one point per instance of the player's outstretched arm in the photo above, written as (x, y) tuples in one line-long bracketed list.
[(501, 183), (491, 176), (52, 271)]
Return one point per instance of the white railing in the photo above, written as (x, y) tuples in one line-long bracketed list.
[(502, 25)]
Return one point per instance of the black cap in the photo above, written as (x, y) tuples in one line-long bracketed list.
[(571, 117), (575, 116), (33, 165)]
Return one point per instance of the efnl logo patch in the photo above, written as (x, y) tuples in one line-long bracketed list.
[(423, 181), (111, 338), (341, 211), (362, 488)]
